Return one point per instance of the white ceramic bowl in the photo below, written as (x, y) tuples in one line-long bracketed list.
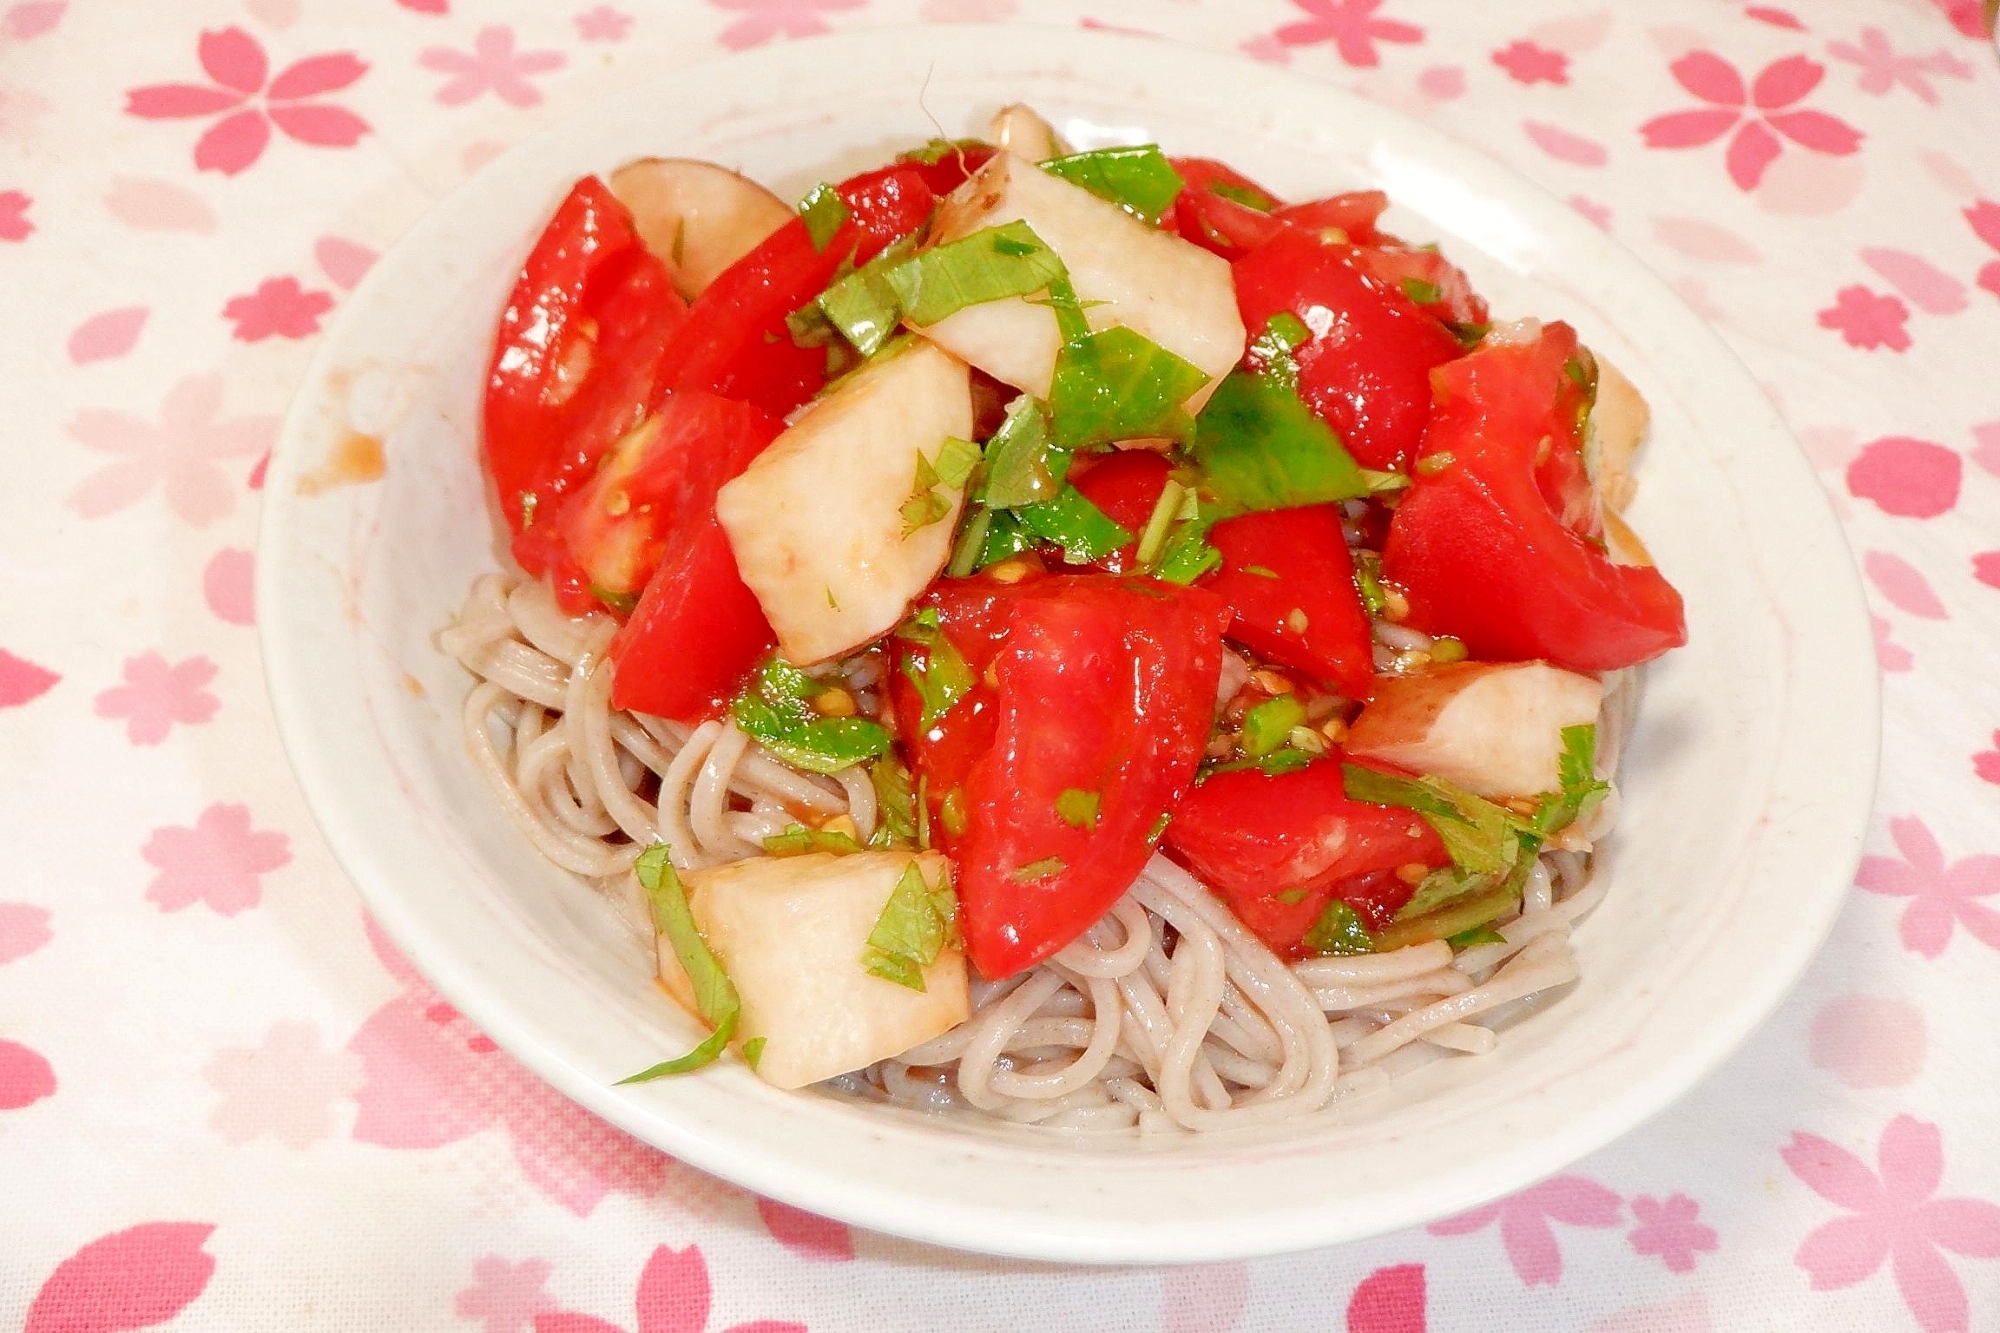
[(1747, 784)]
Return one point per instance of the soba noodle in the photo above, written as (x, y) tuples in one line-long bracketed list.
[(1167, 1015)]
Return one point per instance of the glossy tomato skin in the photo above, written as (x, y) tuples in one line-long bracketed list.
[(1412, 270), (1100, 684), (948, 172), (1366, 367), (1288, 576), (1354, 213), (1222, 226), (1126, 485), (697, 630), (1490, 544), (575, 357), (1279, 847), (735, 341)]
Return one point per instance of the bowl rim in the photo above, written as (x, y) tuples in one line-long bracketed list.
[(1031, 1234)]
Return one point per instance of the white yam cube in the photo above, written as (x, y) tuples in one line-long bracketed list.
[(1494, 728), (696, 217), (816, 521), (1617, 427), (791, 933), (1152, 282), (1019, 129)]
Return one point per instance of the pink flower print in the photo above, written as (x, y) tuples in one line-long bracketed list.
[(1670, 1230), (1882, 69), (219, 861), (430, 1078), (1985, 219), (1200, 1298), (178, 455), (492, 66), (1889, 655), (1524, 1223), (505, 1297), (1389, 1300), (238, 68), (1907, 477), (1530, 62), (1964, 15), (1754, 113), (603, 24), (1893, 1216), (1987, 762), (31, 18), (21, 681), (1352, 27), (25, 1076), (807, 1235), (14, 224), (1941, 896), (279, 308), (674, 1296), (1867, 320), (156, 695), (285, 1087), (764, 19), (24, 928), (135, 1278)]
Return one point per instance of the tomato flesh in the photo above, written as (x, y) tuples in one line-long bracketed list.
[(1366, 367), (1354, 214), (1126, 486), (697, 630), (1289, 578), (1279, 847), (1100, 685), (1490, 544), (735, 341), (576, 355)]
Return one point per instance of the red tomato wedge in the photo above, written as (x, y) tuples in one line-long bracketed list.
[(1220, 225), (1354, 214), (1289, 578), (1490, 542), (1104, 688), (1279, 847), (576, 354), (735, 341), (946, 174), (1366, 369), (697, 631), (1436, 284)]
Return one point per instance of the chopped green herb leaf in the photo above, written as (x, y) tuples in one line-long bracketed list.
[(1293, 896), (714, 997), (1446, 885), (1085, 532), (1268, 724), (621, 602), (1078, 808), (1368, 581), (1339, 930), (941, 675), (935, 151), (1159, 829), (1582, 791), (955, 460), (1469, 335), (925, 506), (1454, 918), (798, 840), (862, 305), (753, 1051), (1139, 180), (971, 541), (1042, 869), (1153, 538), (1480, 836), (1272, 765), (1381, 483), (1062, 299), (923, 807), (1247, 195), (1260, 447), (1006, 536), (1465, 939), (1271, 352), (895, 805), (823, 210), (1117, 384), (973, 270), (1021, 467), (1188, 555), (773, 709), (916, 923), (1261, 571), (1422, 292)]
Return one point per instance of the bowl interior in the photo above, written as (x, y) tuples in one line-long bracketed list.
[(1746, 784)]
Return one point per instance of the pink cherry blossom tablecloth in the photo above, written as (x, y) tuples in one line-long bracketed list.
[(226, 1103)]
